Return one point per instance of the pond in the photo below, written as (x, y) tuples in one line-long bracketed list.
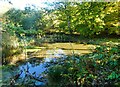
[(32, 70), (35, 69)]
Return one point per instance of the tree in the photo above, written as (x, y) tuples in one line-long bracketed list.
[(86, 18)]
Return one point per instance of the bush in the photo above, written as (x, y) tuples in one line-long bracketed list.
[(100, 68)]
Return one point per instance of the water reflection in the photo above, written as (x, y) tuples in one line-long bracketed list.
[(36, 66), (55, 53), (33, 69)]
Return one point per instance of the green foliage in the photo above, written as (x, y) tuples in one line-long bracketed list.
[(28, 22), (54, 74), (100, 68), (87, 18)]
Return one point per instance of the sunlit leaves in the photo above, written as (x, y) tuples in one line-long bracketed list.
[(114, 75), (100, 67), (90, 18), (87, 18)]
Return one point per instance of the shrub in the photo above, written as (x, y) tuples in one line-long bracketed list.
[(100, 68)]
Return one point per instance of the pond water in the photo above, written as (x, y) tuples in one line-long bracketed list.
[(36, 66), (32, 70), (35, 69)]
